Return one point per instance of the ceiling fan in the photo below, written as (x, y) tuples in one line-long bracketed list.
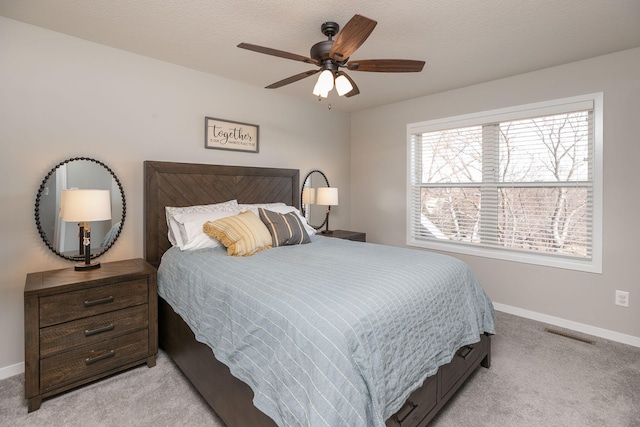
[(331, 55)]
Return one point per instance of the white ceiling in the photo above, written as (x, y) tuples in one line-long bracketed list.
[(463, 42)]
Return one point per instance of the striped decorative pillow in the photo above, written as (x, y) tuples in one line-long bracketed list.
[(285, 229), (243, 234)]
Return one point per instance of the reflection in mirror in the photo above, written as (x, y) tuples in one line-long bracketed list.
[(63, 238), (315, 214)]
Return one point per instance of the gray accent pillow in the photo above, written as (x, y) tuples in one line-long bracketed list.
[(285, 229)]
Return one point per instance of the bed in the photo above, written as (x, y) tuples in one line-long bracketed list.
[(182, 184)]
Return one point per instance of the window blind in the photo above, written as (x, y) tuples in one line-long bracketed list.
[(517, 181)]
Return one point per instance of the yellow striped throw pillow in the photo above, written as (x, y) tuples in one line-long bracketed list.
[(243, 234)]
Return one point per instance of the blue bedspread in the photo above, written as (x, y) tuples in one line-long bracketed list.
[(331, 333)]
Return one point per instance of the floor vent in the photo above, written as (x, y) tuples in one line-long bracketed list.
[(566, 335)]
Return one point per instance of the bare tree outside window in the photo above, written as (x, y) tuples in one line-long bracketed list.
[(522, 185)]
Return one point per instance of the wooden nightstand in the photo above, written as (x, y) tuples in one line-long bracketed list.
[(84, 325), (347, 235)]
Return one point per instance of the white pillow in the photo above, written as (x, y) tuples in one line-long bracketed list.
[(190, 226), (283, 209), (173, 233), (254, 207)]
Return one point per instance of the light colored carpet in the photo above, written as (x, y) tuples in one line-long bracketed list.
[(541, 379), (536, 379), (142, 396)]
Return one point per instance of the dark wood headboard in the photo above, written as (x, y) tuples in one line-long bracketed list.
[(187, 184)]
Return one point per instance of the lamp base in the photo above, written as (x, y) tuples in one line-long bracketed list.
[(326, 232), (83, 266)]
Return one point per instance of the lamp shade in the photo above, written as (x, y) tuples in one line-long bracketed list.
[(343, 85), (324, 84), (318, 90), (327, 196), (308, 195), (85, 205)]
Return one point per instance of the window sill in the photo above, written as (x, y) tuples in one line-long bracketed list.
[(588, 266)]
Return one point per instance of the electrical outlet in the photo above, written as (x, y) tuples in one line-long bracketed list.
[(622, 298)]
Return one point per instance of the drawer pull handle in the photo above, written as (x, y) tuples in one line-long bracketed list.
[(89, 332), (465, 351), (405, 411), (90, 360), (106, 300)]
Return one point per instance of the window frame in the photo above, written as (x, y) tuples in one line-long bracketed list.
[(557, 106)]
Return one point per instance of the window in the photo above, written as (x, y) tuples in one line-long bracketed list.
[(521, 184)]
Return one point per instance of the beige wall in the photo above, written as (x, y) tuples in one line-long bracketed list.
[(576, 299), (63, 97)]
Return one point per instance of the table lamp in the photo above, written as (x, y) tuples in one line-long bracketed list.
[(84, 206), (308, 195), (327, 196)]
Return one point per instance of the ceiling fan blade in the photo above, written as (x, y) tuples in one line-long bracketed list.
[(386, 65), (292, 79), (351, 37), (278, 53), (355, 89)]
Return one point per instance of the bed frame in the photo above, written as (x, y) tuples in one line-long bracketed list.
[(186, 184)]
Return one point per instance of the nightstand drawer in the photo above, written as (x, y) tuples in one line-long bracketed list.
[(91, 360), (63, 307), (68, 336)]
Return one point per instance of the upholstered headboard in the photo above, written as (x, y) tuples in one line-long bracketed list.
[(187, 184)]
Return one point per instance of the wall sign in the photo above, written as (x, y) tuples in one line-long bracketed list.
[(228, 135)]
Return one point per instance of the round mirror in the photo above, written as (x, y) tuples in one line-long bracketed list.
[(64, 238), (315, 214)]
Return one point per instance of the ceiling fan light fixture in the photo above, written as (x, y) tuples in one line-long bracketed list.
[(343, 85), (324, 84), (317, 91)]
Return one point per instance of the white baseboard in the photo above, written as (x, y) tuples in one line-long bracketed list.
[(11, 370), (569, 324)]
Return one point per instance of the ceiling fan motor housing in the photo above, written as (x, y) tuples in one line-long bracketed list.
[(320, 50)]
